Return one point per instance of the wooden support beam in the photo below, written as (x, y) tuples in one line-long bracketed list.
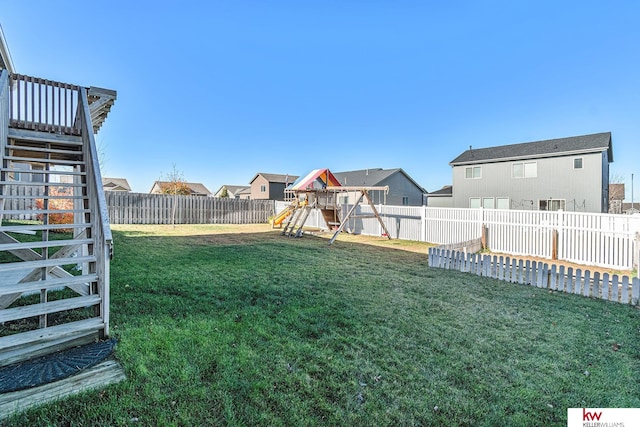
[(346, 219), (377, 215)]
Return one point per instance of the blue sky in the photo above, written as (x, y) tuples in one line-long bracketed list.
[(226, 89)]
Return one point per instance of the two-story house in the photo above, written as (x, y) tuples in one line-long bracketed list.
[(403, 190), (571, 174), (269, 186)]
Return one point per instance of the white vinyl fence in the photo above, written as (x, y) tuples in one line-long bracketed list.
[(605, 240), (622, 289)]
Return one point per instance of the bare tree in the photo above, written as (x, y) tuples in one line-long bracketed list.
[(174, 183), (616, 192)]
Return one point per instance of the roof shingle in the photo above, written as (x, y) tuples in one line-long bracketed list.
[(537, 149)]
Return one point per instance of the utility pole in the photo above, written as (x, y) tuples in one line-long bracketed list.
[(632, 193)]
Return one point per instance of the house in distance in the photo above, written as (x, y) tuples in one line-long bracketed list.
[(570, 174)]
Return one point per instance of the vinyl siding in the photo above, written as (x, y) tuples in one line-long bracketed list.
[(582, 189)]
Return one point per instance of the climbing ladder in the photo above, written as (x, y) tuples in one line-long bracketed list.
[(295, 224)]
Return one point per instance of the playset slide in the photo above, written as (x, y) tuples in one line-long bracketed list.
[(283, 215)]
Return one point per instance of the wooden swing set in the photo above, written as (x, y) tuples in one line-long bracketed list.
[(321, 190)]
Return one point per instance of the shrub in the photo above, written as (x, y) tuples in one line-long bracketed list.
[(57, 204)]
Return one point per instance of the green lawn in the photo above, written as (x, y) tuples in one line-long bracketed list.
[(217, 328)]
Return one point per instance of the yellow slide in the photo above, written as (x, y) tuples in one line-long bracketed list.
[(283, 215)]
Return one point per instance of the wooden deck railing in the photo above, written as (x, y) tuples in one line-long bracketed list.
[(44, 105), (100, 228), (4, 124)]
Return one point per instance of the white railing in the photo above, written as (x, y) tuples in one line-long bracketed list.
[(605, 240)]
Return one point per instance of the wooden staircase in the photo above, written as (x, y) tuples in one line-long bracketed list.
[(55, 240)]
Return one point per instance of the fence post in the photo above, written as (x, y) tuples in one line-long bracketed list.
[(423, 223), (483, 239), (554, 244), (636, 251)]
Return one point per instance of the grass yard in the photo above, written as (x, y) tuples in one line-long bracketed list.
[(231, 325)]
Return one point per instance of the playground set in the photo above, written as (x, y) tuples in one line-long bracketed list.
[(320, 189)]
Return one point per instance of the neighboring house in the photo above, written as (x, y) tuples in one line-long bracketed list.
[(232, 191), (244, 194), (270, 186), (631, 208), (403, 190), (571, 174), (116, 184), (442, 198), (196, 188)]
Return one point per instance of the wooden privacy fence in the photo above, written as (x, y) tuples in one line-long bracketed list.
[(141, 208), (610, 287)]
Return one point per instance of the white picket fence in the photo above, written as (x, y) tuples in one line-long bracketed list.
[(604, 240), (610, 287)]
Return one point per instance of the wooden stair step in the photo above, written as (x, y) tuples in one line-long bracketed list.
[(47, 284), (43, 137), (41, 196), (43, 160), (17, 347), (39, 149), (45, 263), (36, 227), (41, 184), (44, 172), (44, 211), (33, 310), (43, 244)]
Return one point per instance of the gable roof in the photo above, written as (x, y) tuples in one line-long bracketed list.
[(195, 187), (573, 145), (445, 191), (371, 177), (114, 183), (232, 189), (274, 177)]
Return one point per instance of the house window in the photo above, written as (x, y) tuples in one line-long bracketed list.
[(488, 202), (405, 200), (474, 202), (577, 163), (502, 203), (524, 170), (551, 205), (343, 200), (473, 172), (263, 188)]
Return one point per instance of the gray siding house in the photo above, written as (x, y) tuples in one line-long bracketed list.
[(269, 186), (442, 198), (571, 174), (403, 190)]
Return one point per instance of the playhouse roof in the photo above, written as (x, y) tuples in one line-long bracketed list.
[(316, 179)]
